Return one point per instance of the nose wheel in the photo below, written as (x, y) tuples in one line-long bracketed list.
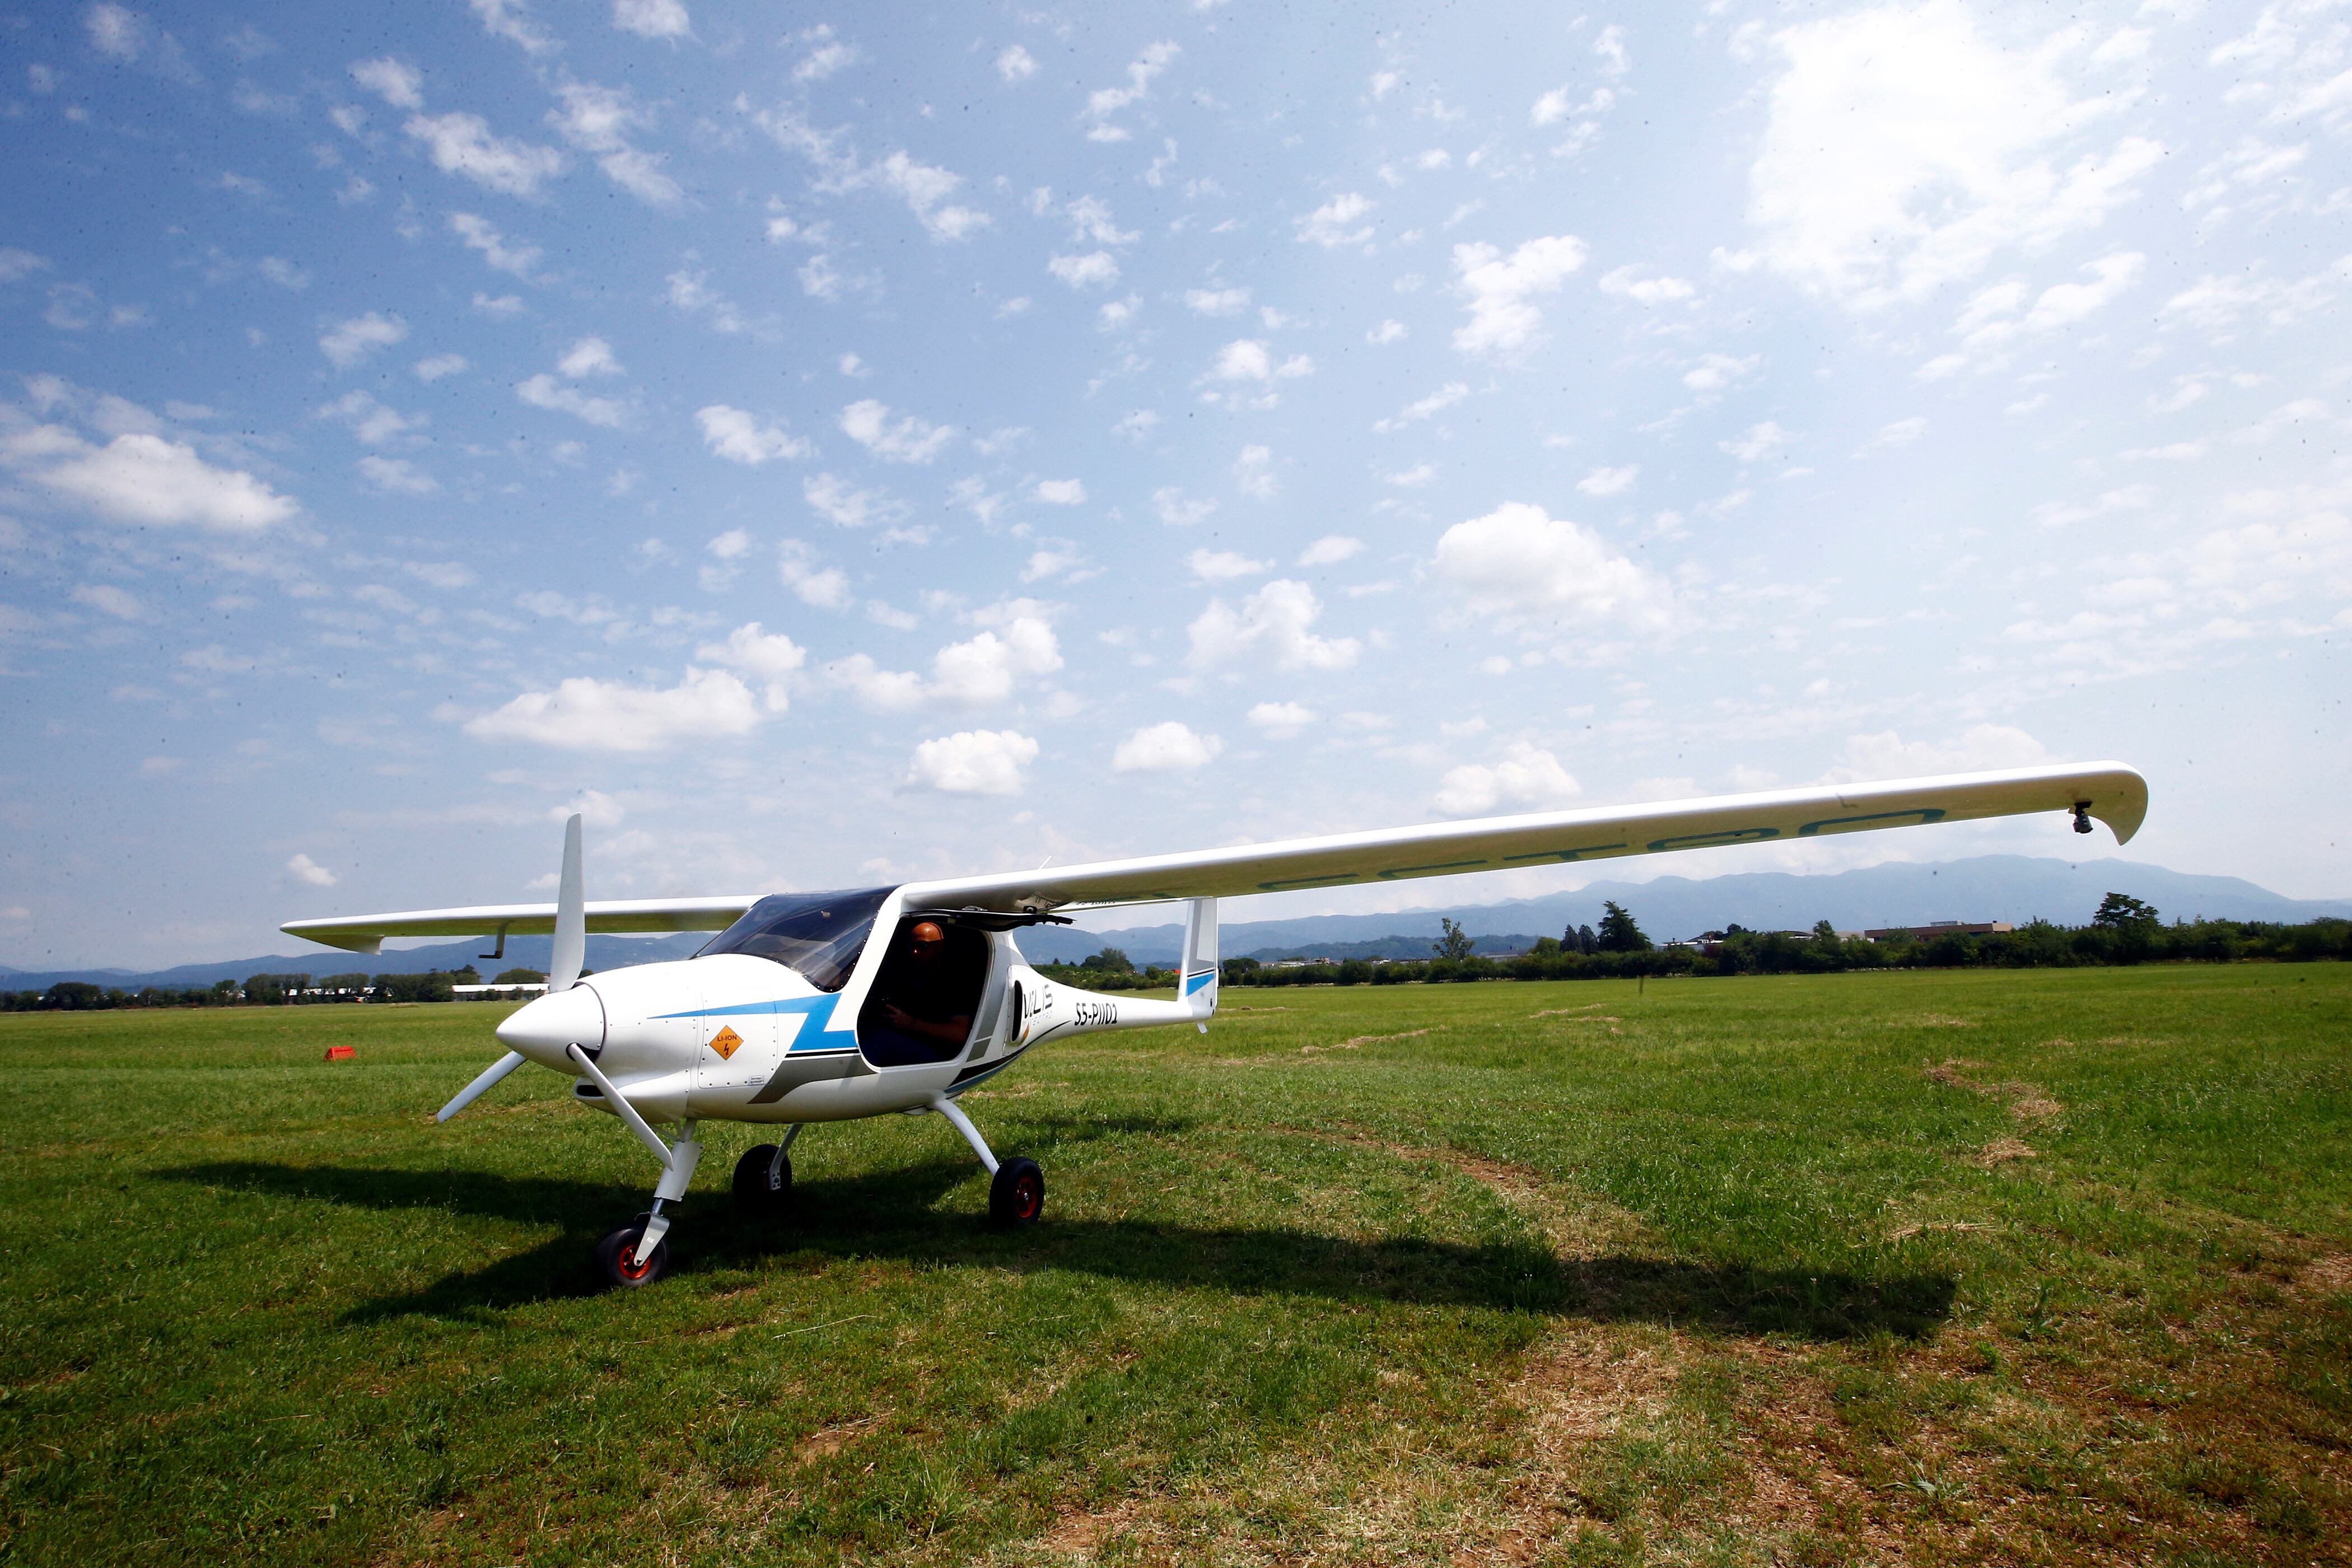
[(1016, 1194), (625, 1262)]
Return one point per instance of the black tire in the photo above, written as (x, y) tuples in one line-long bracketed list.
[(754, 1192), (621, 1243), (1017, 1196)]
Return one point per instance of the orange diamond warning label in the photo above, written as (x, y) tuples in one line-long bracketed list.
[(726, 1042)]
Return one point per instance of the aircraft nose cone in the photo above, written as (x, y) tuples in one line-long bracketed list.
[(541, 1029)]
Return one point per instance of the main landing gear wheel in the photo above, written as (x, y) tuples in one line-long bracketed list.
[(1017, 1196), (763, 1183), (618, 1260)]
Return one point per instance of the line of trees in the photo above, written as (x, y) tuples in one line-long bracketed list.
[(262, 991), (2124, 930)]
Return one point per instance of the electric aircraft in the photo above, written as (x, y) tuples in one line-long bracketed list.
[(810, 1008)]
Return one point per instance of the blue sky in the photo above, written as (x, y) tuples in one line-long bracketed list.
[(904, 443)]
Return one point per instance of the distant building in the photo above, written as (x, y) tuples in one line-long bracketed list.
[(1940, 928)]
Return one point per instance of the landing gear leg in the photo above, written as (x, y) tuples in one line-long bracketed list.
[(1016, 1188), (638, 1253), (764, 1177)]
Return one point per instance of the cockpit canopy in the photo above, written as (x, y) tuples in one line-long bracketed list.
[(816, 935)]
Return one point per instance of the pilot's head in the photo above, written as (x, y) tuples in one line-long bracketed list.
[(927, 940)]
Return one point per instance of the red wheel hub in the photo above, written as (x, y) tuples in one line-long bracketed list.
[(1028, 1197)]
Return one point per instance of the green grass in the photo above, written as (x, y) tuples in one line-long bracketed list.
[(1711, 1271)]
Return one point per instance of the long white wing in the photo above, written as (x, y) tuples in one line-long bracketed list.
[(365, 933), (2109, 791)]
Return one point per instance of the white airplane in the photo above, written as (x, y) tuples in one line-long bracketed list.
[(797, 1012)]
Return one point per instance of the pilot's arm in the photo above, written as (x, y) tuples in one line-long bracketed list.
[(948, 1032)]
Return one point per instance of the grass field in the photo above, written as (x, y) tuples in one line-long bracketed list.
[(2015, 1267)]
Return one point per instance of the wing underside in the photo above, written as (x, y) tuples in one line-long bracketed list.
[(365, 933), (2109, 792)]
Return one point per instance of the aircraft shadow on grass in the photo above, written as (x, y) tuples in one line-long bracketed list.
[(894, 1214)]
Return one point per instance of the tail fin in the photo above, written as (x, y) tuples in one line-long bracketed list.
[(1199, 982)]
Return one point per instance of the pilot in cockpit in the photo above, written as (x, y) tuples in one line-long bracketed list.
[(926, 998)]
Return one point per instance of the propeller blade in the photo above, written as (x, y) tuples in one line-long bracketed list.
[(571, 918), (475, 1091)]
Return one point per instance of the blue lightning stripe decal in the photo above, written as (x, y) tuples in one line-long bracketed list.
[(1195, 981), (818, 1009)]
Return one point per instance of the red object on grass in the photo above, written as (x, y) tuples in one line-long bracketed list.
[(339, 1053)]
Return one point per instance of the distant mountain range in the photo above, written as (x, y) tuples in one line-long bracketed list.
[(2012, 887)]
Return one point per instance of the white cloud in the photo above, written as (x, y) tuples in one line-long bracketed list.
[(370, 421), (598, 120), (1271, 626), (1387, 332), (1171, 747), (1899, 433), (1217, 301), (145, 478), (480, 234), (349, 342), (1338, 222), (822, 61), (1886, 756), (510, 20), (1222, 566), (583, 714), (1610, 481), (1550, 108), (109, 599), (840, 502), (1647, 291), (975, 761), (397, 476), (1412, 478), (768, 657), (305, 869), (1903, 151), (1177, 509), (1714, 372), (1092, 270), (1994, 320), (1061, 492), (500, 307), (1104, 103), (439, 365), (1015, 64), (1757, 442), (463, 145), (1528, 777), (589, 356), (737, 434), (1500, 289), (925, 188), (1519, 561), (1253, 472), (398, 85), (1330, 550), (984, 670), (1437, 402), (1280, 720), (911, 440), (828, 589), (652, 18)]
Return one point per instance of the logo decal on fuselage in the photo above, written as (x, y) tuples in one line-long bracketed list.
[(726, 1042)]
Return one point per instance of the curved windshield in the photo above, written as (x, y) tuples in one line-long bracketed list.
[(817, 935)]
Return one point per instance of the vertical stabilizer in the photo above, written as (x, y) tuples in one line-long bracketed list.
[(1199, 985)]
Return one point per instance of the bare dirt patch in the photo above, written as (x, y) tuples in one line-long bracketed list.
[(2328, 1275), (2028, 1102), (1351, 1044), (2002, 1150)]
